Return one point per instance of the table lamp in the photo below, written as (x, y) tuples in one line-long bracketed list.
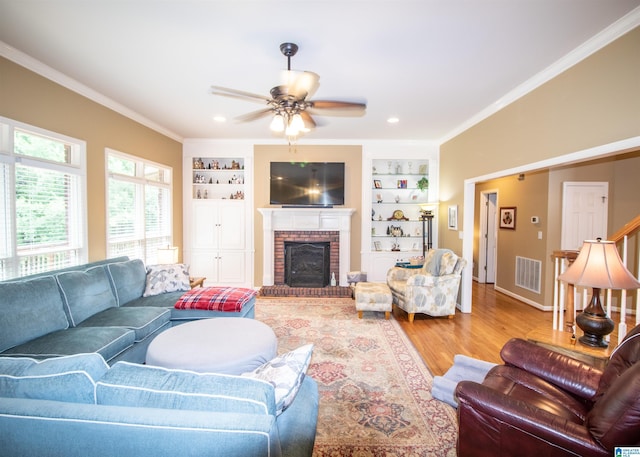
[(168, 255), (599, 266)]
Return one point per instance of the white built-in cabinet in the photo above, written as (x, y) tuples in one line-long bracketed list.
[(218, 235), (392, 199)]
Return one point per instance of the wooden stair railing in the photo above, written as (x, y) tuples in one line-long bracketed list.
[(564, 316), (621, 238)]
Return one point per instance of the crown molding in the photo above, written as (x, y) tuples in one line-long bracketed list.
[(57, 77), (622, 26)]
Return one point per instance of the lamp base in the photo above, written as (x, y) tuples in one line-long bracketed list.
[(594, 323)]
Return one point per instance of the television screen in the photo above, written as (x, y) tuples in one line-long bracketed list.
[(307, 183)]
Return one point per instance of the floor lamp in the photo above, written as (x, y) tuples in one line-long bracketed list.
[(599, 266)]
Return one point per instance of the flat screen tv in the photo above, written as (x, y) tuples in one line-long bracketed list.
[(307, 184)]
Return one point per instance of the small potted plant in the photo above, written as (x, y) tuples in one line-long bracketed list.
[(423, 184)]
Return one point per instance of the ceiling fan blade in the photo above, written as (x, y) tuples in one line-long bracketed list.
[(334, 104), (308, 120), (234, 93), (255, 115), (300, 84)]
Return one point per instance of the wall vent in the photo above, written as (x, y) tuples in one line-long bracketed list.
[(528, 273)]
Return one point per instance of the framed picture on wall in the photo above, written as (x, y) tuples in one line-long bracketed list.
[(508, 217), (452, 217)]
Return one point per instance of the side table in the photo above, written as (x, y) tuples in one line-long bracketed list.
[(560, 341), (197, 282)]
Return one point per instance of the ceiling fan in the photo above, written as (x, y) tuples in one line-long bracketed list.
[(289, 103)]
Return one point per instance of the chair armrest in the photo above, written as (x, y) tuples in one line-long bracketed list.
[(400, 274), (420, 280), (571, 375), (494, 422)]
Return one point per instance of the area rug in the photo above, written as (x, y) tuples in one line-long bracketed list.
[(375, 390)]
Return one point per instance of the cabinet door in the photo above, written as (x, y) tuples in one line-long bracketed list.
[(205, 263), (231, 224), (205, 224), (231, 268)]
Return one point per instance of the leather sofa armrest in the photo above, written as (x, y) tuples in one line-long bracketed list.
[(571, 375), (492, 423)]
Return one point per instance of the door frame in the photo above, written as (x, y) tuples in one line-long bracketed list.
[(484, 236)]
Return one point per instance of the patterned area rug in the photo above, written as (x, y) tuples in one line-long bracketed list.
[(375, 390)]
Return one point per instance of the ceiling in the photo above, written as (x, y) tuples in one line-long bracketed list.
[(437, 65)]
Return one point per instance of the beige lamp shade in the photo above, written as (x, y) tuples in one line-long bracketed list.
[(599, 265), (168, 255)]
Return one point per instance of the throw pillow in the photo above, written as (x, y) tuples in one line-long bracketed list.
[(166, 278), (286, 373), (69, 378), (448, 263)]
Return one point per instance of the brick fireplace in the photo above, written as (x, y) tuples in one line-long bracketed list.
[(305, 224), (311, 237)]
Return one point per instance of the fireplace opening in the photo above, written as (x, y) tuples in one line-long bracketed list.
[(307, 264)]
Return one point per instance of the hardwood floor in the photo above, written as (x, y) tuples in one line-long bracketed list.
[(495, 319)]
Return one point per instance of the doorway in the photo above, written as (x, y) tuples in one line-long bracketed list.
[(488, 237)]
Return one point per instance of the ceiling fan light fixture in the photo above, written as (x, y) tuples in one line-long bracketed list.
[(297, 123), (277, 123)]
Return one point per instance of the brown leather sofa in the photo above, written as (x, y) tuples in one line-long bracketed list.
[(543, 403)]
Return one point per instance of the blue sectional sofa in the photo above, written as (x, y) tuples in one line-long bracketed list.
[(96, 307), (77, 405), (72, 382)]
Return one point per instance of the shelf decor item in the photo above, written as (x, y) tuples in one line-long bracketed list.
[(423, 184)]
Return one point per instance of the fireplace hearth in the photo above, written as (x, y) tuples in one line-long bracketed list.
[(307, 264)]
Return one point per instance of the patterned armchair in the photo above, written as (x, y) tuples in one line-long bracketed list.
[(432, 289)]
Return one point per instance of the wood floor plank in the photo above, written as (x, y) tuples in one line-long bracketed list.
[(495, 319)]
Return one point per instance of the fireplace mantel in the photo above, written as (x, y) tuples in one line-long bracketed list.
[(310, 219)]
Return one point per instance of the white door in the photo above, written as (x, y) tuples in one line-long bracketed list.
[(584, 213), (487, 244)]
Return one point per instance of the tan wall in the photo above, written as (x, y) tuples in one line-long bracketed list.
[(350, 155), (32, 99), (591, 104)]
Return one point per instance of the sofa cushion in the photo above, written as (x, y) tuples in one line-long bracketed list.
[(128, 280), (144, 321), (85, 293), (70, 378), (614, 420), (230, 299), (106, 341), (166, 278), (286, 373), (29, 310), (129, 384)]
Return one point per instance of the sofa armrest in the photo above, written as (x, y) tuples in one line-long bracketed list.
[(572, 375), (492, 423)]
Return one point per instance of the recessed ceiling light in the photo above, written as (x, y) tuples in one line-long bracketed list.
[(393, 120), (220, 119)]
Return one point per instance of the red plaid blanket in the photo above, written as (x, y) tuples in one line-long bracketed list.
[(216, 298)]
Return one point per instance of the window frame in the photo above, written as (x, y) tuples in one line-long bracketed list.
[(139, 179), (76, 166)]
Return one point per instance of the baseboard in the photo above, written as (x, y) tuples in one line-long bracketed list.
[(524, 299)]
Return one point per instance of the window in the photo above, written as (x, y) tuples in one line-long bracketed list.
[(42, 185), (139, 207)]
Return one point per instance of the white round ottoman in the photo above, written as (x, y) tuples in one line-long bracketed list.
[(229, 345)]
